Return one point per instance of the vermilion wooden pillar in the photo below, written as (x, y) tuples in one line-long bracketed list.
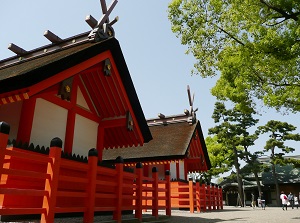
[(91, 186), (139, 191), (70, 128), (4, 133), (146, 170), (177, 170), (51, 183), (26, 120), (100, 142)]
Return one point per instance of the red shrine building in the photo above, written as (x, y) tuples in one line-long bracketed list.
[(78, 92), (178, 145)]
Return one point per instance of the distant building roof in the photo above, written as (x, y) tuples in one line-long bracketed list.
[(171, 139), (285, 175)]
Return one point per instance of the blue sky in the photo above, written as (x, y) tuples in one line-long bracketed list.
[(159, 67)]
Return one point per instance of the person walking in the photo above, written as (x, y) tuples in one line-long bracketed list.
[(253, 203), (262, 201), (284, 200), (291, 199), (296, 201)]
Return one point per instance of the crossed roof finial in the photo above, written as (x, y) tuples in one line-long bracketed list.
[(192, 112), (102, 29)]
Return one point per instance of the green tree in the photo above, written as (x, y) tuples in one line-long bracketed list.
[(232, 132), (280, 132), (221, 159), (253, 45)]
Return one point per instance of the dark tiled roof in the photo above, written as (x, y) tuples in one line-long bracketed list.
[(170, 141), (27, 73), (285, 175)]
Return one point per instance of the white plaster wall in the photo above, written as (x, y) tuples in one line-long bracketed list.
[(173, 170), (80, 100), (181, 170), (49, 122), (11, 113), (85, 135)]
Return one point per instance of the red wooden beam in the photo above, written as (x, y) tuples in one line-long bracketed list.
[(96, 100), (108, 86), (67, 73), (112, 123), (99, 86), (122, 89), (26, 120)]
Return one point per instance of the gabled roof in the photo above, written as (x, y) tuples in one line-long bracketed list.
[(171, 140), (285, 175), (19, 74)]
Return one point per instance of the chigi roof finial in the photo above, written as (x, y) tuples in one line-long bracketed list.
[(192, 112), (102, 29)]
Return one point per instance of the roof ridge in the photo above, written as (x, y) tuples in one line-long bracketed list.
[(45, 50), (172, 119)]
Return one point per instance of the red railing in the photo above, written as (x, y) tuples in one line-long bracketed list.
[(196, 196), (46, 185)]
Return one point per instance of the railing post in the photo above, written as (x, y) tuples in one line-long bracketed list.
[(213, 196), (221, 197), (155, 192), (117, 215), (209, 196), (4, 134), (51, 183), (203, 195), (138, 192), (218, 197), (191, 195), (198, 200), (168, 192), (91, 186)]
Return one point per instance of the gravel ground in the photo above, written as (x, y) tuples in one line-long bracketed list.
[(228, 215), (236, 214)]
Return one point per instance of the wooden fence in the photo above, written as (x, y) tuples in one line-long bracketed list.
[(33, 183), (196, 196)]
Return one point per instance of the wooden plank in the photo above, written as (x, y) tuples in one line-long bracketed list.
[(23, 192), (69, 209), (71, 194), (24, 173), (19, 211)]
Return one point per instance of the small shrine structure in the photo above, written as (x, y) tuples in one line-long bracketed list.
[(178, 145)]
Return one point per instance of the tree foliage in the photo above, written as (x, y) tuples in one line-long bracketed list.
[(253, 45), (220, 158), (232, 133), (280, 132)]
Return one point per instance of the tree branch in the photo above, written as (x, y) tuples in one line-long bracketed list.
[(230, 35), (282, 12)]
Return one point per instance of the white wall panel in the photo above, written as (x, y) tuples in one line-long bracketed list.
[(181, 170), (173, 170), (85, 135), (80, 100), (49, 122)]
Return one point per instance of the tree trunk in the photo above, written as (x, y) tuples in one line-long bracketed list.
[(276, 184), (257, 182), (275, 178), (254, 172), (239, 179)]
